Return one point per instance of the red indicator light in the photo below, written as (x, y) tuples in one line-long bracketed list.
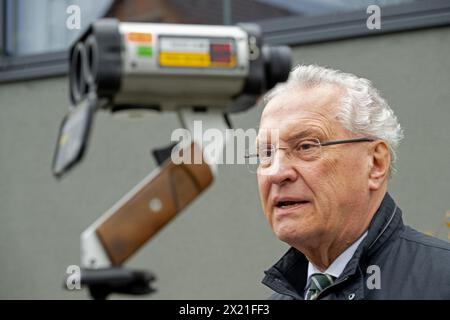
[(222, 47)]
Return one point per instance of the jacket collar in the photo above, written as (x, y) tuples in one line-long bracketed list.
[(288, 275)]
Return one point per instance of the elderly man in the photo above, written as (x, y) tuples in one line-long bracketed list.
[(323, 186)]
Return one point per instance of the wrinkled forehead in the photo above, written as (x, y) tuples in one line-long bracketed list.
[(312, 110)]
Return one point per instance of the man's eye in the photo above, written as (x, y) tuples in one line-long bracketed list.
[(265, 153), (307, 146)]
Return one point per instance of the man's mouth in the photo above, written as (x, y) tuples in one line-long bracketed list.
[(287, 204)]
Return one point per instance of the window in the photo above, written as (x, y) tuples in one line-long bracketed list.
[(39, 26), (34, 37)]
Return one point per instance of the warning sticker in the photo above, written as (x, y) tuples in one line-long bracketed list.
[(197, 52), (139, 37), (179, 59), (172, 44)]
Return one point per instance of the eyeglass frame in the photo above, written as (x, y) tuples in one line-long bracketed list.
[(323, 144)]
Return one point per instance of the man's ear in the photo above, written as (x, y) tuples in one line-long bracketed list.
[(380, 164)]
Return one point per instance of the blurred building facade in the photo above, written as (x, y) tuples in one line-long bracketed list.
[(219, 247)]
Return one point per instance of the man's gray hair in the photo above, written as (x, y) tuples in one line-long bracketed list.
[(362, 109)]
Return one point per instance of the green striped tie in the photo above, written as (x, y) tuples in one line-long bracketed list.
[(319, 281)]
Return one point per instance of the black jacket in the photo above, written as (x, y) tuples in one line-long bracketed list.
[(412, 265)]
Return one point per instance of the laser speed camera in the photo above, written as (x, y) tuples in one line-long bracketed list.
[(200, 72), (166, 67)]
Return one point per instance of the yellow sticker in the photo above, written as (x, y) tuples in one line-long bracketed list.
[(182, 59), (63, 139)]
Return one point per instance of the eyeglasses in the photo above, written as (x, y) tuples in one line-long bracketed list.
[(305, 149)]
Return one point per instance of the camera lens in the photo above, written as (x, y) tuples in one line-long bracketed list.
[(76, 74), (277, 64), (91, 66)]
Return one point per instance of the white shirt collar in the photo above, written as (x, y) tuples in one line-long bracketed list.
[(337, 267)]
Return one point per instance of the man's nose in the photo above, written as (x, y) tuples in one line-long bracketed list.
[(282, 169)]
